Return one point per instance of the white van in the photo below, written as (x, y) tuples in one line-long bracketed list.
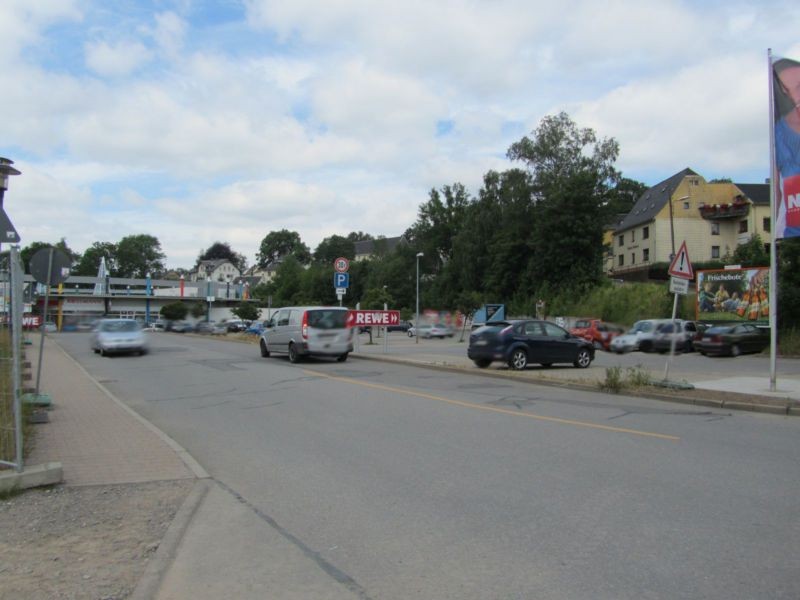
[(301, 331)]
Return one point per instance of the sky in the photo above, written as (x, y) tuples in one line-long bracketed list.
[(199, 121)]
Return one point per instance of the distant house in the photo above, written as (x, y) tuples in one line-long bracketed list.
[(712, 218), (215, 270), (367, 249), (263, 274)]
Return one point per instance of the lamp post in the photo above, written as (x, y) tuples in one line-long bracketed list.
[(6, 170), (416, 323)]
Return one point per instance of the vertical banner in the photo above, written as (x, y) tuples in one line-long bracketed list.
[(786, 92)]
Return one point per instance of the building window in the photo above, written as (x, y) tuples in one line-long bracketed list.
[(742, 226), (714, 251), (621, 260), (646, 255), (621, 240), (646, 233), (715, 229), (766, 224), (633, 235), (686, 205), (633, 258)]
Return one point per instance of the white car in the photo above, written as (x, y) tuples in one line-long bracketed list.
[(639, 337), (118, 336)]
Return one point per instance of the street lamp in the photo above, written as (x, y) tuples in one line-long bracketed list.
[(416, 323), (5, 171)]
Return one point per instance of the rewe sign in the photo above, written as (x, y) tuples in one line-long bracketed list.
[(361, 318)]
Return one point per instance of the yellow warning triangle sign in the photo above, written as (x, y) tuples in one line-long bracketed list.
[(681, 265)]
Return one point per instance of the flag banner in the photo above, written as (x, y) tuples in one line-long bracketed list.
[(786, 92)]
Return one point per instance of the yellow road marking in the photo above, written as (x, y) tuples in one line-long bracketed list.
[(494, 409)]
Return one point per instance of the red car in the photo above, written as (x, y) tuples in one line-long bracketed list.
[(596, 331)]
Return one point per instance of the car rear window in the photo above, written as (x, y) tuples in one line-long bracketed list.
[(327, 319), (583, 324), (120, 326)]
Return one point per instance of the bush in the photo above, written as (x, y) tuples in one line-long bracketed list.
[(175, 311)]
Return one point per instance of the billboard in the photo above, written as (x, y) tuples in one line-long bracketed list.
[(733, 295)]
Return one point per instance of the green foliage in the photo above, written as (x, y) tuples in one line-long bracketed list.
[(138, 255), (198, 309), (174, 311), (332, 248), (247, 311), (89, 263), (751, 254), (616, 381), (789, 283), (28, 251), (622, 304), (280, 245)]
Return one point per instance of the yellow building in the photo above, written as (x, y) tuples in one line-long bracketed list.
[(712, 218)]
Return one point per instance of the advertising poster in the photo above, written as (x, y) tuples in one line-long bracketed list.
[(733, 295), (786, 86)]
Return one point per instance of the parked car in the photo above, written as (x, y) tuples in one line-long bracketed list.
[(118, 336), (180, 326), (519, 343), (210, 327), (256, 328), (234, 325), (401, 326), (301, 331), (428, 331), (596, 331), (639, 337), (733, 340), (684, 333)]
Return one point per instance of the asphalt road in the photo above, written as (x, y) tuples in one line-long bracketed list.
[(425, 484)]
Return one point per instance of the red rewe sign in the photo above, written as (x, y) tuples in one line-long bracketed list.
[(363, 318)]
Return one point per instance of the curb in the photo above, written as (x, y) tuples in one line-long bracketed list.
[(157, 567), (765, 404)]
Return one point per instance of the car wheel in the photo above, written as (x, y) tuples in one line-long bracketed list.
[(703, 352), (143, 351), (293, 355), (103, 351), (482, 363), (688, 347), (583, 360), (264, 350), (735, 350), (95, 350), (341, 357), (410, 334), (518, 359)]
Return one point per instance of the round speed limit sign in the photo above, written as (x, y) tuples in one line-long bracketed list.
[(341, 265)]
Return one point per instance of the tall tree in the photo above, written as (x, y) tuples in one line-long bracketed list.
[(28, 251), (621, 198), (89, 263), (222, 250), (138, 255), (332, 248), (280, 244), (438, 221), (572, 174)]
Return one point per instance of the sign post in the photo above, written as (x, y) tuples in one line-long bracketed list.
[(682, 272), (341, 278)]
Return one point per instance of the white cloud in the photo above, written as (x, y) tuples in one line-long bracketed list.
[(120, 58)]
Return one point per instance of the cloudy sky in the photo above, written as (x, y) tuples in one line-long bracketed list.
[(221, 120)]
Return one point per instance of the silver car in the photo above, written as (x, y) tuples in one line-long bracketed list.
[(300, 331), (118, 336)]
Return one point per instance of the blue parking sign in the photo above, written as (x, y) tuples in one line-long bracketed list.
[(341, 280)]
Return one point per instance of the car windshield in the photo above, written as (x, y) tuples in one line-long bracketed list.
[(327, 319), (119, 326)]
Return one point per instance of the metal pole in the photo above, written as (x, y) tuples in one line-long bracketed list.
[(671, 230), (416, 323), (16, 280), (773, 250), (44, 319), (674, 332)]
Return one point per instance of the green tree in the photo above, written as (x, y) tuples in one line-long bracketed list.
[(28, 251), (751, 254), (621, 198), (288, 282), (89, 263), (174, 311), (138, 255), (221, 250), (332, 248), (280, 244), (573, 173), (788, 283), (198, 309), (247, 311)]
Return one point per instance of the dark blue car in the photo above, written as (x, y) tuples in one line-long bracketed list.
[(519, 343)]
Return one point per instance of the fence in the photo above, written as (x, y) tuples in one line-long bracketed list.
[(11, 307)]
